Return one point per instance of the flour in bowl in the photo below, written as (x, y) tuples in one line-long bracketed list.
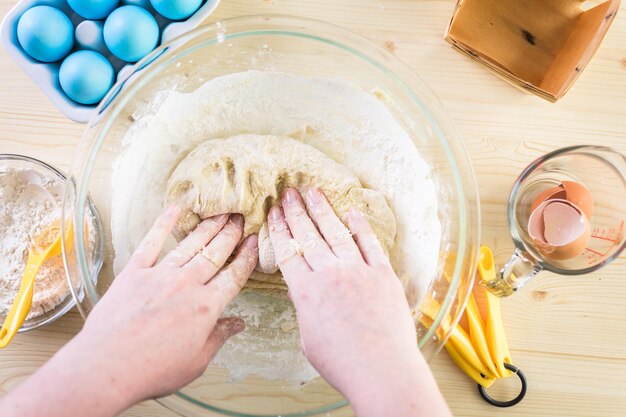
[(350, 126), (30, 202)]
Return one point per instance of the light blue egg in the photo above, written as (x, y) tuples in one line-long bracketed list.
[(176, 9), (86, 76), (89, 35), (45, 33), (130, 33), (93, 9)]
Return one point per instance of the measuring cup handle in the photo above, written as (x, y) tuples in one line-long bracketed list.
[(514, 274)]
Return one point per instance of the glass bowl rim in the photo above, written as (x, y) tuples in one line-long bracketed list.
[(298, 27)]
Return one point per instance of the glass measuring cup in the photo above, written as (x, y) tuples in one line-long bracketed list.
[(599, 169)]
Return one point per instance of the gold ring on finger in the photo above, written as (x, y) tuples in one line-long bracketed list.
[(207, 256), (295, 249), (341, 237)]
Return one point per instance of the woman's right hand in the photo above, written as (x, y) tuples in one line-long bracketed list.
[(356, 327)]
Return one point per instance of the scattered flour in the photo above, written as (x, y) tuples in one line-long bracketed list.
[(29, 203), (269, 346)]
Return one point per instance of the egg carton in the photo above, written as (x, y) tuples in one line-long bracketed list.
[(46, 75)]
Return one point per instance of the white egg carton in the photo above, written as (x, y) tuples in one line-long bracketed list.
[(45, 75)]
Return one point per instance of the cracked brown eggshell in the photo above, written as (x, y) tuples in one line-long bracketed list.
[(559, 229)]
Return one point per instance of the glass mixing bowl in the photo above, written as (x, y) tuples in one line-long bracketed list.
[(304, 47)]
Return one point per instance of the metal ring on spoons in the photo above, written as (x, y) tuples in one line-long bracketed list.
[(504, 404)]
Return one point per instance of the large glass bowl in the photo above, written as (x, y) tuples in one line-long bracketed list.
[(303, 47)]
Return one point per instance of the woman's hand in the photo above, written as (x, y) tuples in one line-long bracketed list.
[(159, 323), (355, 323), (155, 330)]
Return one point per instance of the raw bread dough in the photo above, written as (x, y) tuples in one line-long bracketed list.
[(361, 130), (364, 131), (247, 174)]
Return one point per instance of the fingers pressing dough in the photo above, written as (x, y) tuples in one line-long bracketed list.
[(247, 174)]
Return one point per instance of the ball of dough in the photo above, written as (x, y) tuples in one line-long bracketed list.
[(247, 174)]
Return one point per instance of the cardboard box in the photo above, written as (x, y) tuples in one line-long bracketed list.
[(541, 46)]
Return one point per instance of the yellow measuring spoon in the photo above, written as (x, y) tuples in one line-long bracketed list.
[(494, 331), (37, 255)]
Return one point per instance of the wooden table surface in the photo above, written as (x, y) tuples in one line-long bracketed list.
[(567, 334)]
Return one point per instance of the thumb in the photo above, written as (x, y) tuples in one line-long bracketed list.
[(224, 329)]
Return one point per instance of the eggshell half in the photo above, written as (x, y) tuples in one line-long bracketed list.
[(536, 229), (559, 229), (580, 196), (549, 194), (536, 226), (563, 223)]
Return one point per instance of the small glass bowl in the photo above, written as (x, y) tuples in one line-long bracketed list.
[(21, 161)]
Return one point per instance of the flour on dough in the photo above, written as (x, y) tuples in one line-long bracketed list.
[(247, 174), (348, 125), (351, 126)]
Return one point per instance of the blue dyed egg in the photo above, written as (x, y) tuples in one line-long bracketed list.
[(176, 9), (86, 76), (45, 33), (93, 9), (130, 33)]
